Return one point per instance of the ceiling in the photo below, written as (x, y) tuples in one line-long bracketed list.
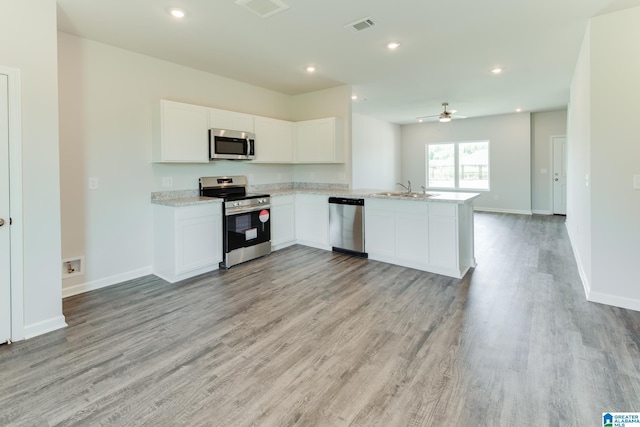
[(447, 48)]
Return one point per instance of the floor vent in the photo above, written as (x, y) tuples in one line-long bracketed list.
[(263, 8), (360, 25)]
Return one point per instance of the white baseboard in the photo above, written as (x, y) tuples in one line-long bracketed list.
[(103, 283), (586, 284), (43, 327), (541, 212), (509, 211), (599, 297), (614, 300)]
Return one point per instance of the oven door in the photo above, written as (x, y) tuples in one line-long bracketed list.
[(244, 229)]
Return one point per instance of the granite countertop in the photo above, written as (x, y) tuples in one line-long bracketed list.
[(191, 197), (186, 201), (438, 196), (181, 198)]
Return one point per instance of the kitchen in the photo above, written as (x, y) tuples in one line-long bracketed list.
[(105, 96)]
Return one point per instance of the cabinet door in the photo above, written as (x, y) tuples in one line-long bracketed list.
[(182, 135), (223, 119), (443, 235), (283, 231), (318, 141), (379, 230), (412, 232), (198, 238), (274, 140), (312, 220)]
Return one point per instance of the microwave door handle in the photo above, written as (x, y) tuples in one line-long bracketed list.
[(248, 144)]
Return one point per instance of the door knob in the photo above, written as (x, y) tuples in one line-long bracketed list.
[(1, 222), (555, 179)]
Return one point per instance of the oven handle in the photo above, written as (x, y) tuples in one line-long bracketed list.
[(242, 209)]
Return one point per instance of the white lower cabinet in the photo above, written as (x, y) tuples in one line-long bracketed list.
[(283, 225), (429, 236), (187, 240), (312, 220), (397, 231), (443, 232)]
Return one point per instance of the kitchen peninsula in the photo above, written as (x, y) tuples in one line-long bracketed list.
[(432, 233)]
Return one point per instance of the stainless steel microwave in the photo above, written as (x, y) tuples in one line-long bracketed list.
[(231, 144)]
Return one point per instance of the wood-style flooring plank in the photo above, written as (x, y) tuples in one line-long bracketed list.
[(305, 337)]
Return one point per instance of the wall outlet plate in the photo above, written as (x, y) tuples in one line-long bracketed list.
[(636, 182)]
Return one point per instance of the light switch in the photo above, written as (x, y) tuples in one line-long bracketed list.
[(543, 171), (636, 182)]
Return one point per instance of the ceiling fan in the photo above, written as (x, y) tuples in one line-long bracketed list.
[(445, 116)]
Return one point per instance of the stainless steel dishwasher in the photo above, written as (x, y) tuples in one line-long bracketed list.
[(346, 225)]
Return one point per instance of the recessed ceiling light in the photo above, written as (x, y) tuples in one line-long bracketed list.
[(393, 45), (354, 97), (518, 110), (177, 13), (311, 69), (496, 70)]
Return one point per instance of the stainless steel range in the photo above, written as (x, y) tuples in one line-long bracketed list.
[(246, 227)]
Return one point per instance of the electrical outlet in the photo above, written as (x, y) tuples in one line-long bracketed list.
[(167, 181), (93, 183), (636, 182)]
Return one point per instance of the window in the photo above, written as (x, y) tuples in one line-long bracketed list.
[(458, 165)]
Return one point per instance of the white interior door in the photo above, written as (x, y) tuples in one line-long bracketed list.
[(5, 242), (559, 175)]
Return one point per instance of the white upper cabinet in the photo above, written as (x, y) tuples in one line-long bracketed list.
[(180, 133), (223, 119), (319, 141), (274, 140)]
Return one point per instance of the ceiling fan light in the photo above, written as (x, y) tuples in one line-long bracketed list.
[(444, 118)]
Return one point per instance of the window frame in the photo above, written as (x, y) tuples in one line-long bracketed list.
[(456, 165)]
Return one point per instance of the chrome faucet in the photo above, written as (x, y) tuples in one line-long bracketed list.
[(408, 188), (424, 189)]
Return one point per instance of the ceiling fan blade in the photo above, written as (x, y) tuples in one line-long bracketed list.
[(428, 117)]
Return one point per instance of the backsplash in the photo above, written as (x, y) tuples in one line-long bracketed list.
[(302, 185)]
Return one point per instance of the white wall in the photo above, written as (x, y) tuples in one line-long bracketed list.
[(543, 127), (615, 158), (28, 33), (376, 153), (578, 162), (509, 162)]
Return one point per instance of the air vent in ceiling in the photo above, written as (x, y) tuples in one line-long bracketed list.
[(263, 8), (360, 25)]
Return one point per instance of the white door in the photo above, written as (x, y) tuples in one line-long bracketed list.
[(5, 253), (559, 175)]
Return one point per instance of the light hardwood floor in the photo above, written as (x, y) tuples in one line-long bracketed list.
[(312, 338)]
